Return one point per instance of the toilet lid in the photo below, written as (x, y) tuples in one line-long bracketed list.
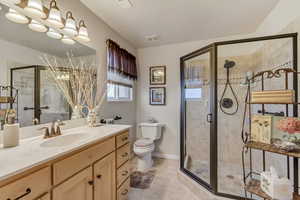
[(145, 142)]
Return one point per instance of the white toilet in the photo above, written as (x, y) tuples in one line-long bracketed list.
[(145, 146)]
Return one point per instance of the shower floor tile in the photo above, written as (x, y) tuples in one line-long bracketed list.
[(166, 185)]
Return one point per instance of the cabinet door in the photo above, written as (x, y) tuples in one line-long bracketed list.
[(79, 187), (105, 178), (45, 197)]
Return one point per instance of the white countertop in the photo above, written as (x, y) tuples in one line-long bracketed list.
[(32, 153)]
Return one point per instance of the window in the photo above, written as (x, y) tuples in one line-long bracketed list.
[(119, 92), (193, 93)]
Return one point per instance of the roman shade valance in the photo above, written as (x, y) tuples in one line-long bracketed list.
[(121, 61)]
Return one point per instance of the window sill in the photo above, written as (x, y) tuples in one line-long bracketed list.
[(116, 101)]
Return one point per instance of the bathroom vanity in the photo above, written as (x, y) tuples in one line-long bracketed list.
[(82, 164)]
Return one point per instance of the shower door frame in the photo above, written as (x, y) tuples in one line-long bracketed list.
[(213, 48)]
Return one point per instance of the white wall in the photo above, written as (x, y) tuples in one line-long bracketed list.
[(99, 32), (282, 15)]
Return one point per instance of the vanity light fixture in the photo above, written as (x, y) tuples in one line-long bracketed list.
[(83, 32), (16, 17), (37, 26), (35, 7), (54, 17), (70, 26), (54, 34), (67, 40)]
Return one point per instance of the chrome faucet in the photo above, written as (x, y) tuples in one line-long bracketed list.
[(54, 129)]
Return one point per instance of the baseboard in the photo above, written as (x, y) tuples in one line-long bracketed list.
[(165, 156)]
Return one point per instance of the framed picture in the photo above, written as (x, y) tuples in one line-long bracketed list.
[(158, 75), (157, 96)]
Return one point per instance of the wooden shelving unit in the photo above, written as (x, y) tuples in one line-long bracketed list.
[(271, 148), (252, 185)]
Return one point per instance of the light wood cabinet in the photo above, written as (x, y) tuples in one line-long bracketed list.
[(45, 197), (104, 176), (28, 188), (123, 173), (79, 187), (123, 154), (99, 171), (122, 193)]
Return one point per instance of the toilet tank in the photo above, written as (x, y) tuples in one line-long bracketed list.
[(151, 130)]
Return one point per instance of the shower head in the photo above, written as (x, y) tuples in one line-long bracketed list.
[(229, 64)]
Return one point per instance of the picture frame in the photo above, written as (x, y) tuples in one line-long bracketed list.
[(157, 75), (157, 96)]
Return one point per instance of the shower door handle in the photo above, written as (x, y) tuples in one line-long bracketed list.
[(209, 118)]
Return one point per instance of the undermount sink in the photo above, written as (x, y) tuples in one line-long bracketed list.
[(64, 140)]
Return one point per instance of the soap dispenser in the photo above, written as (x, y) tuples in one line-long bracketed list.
[(11, 130)]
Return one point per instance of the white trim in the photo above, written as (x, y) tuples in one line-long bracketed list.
[(165, 156)]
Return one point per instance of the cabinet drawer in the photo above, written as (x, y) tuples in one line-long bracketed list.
[(123, 173), (29, 187), (123, 155), (71, 165), (123, 191), (122, 139), (45, 197)]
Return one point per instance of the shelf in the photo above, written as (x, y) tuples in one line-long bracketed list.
[(273, 103), (271, 148), (254, 187), (6, 99)]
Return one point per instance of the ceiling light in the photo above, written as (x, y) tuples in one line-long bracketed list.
[(70, 26), (54, 17), (54, 34), (83, 33), (124, 3), (37, 26), (35, 7), (67, 40), (16, 17)]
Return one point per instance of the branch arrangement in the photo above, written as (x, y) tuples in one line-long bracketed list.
[(76, 77)]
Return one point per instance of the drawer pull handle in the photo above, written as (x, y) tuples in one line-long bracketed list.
[(28, 191), (124, 192), (124, 139), (91, 182), (125, 155), (124, 173), (99, 176)]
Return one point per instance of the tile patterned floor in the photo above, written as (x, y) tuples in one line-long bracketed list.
[(165, 186)]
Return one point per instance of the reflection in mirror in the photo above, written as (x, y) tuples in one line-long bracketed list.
[(22, 67)]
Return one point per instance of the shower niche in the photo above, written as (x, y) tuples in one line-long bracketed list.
[(213, 91)]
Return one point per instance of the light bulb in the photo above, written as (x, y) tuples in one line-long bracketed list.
[(16, 17), (37, 26), (35, 7), (54, 34)]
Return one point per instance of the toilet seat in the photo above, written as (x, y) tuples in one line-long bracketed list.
[(144, 143)]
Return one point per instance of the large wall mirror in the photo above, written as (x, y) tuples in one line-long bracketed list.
[(22, 67)]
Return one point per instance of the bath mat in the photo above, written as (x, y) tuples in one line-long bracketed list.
[(142, 180)]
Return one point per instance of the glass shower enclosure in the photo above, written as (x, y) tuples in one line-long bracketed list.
[(213, 91), (39, 97)]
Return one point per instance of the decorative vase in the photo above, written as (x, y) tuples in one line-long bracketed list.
[(76, 114), (92, 117)]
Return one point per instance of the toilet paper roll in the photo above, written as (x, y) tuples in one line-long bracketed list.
[(11, 135)]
